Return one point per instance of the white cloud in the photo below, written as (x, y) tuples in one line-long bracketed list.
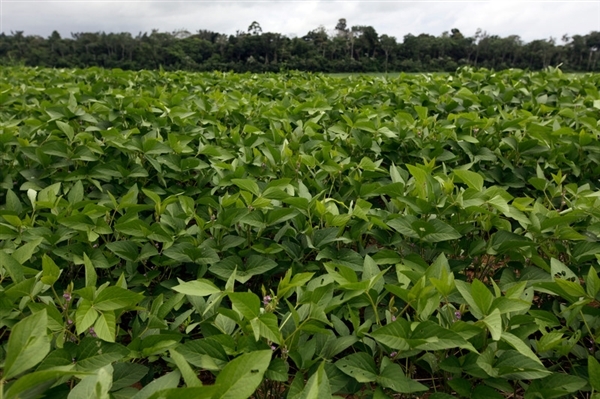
[(528, 19)]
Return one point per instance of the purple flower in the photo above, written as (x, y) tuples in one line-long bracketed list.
[(67, 296), (457, 315), (273, 348), (69, 322), (266, 299), (393, 318), (92, 332), (393, 354)]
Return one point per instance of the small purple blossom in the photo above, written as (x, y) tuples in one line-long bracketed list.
[(393, 318), (393, 354), (92, 332), (457, 315), (266, 299), (273, 348), (69, 322), (67, 296)]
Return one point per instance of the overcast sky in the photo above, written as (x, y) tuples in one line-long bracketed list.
[(529, 19)]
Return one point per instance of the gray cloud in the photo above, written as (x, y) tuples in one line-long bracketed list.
[(528, 19)]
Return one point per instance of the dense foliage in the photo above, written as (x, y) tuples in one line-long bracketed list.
[(348, 49), (177, 235)]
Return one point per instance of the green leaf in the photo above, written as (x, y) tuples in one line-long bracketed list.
[(200, 287), (189, 376), (317, 387), (10, 264), (93, 354), (85, 316), (520, 346), (395, 335), (465, 290), (66, 129), (392, 377), (247, 303), (482, 296), (28, 344), (169, 380), (50, 272), (90, 272), (205, 392), (127, 374), (360, 366), (594, 373), (556, 385), (471, 179), (113, 298), (94, 386), (13, 203), (433, 230), (240, 378), (278, 370), (493, 322), (127, 250), (26, 251), (105, 326), (549, 341), (266, 326), (32, 385), (248, 185)]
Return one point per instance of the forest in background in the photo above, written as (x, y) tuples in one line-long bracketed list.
[(347, 49)]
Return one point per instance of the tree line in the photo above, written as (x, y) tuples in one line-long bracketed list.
[(348, 49)]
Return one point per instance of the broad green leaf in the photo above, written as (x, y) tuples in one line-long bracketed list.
[(28, 344), (240, 378), (549, 341), (278, 370), (519, 345), (13, 203), (360, 366), (266, 326), (12, 266), (127, 250), (471, 179), (557, 385), (90, 272), (200, 287), (105, 326), (247, 303), (85, 316), (66, 129), (392, 377), (248, 185), (113, 298), (395, 335), (482, 296), (493, 322), (31, 385), (465, 291), (51, 272), (94, 386), (93, 354), (594, 372), (190, 378), (169, 380), (317, 386), (127, 374)]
